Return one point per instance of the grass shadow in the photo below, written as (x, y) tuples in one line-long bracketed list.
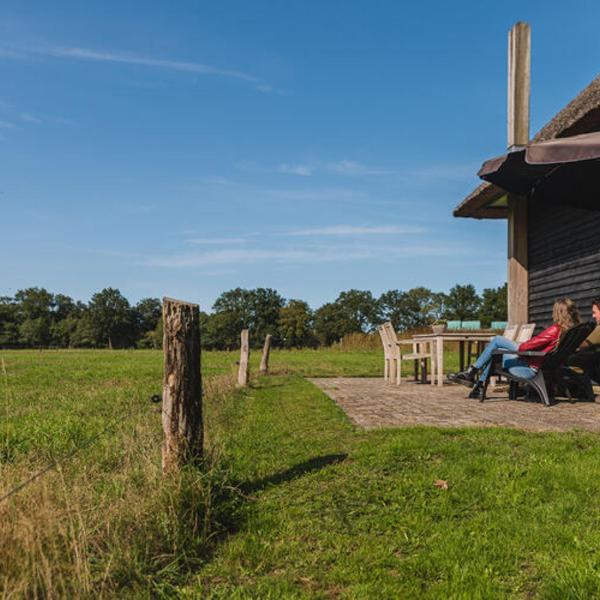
[(308, 466)]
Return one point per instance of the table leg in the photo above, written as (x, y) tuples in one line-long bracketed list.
[(439, 359), (433, 374), (461, 356)]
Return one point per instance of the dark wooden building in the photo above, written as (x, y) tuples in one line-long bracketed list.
[(557, 245)]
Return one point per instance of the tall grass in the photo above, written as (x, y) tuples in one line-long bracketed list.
[(106, 522)]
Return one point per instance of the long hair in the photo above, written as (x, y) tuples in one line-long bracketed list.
[(565, 314)]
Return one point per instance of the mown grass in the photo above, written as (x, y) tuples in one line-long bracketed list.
[(293, 502)]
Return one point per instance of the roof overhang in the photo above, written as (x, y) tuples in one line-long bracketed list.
[(581, 115), (487, 201)]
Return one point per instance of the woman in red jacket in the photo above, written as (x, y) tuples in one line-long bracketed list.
[(564, 316)]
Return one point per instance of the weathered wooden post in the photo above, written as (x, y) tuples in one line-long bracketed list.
[(182, 385), (244, 358), (519, 85), (264, 361)]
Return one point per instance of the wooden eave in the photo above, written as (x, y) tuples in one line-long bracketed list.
[(581, 115)]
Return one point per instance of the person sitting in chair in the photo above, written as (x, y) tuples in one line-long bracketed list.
[(564, 316), (588, 357)]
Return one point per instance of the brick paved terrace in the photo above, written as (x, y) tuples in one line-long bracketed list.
[(372, 403)]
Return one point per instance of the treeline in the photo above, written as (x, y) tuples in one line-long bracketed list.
[(36, 318)]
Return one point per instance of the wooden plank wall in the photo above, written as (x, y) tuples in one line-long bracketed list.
[(564, 258)]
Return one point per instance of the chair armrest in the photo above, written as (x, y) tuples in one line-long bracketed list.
[(501, 351)]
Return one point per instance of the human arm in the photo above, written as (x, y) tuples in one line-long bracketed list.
[(544, 341)]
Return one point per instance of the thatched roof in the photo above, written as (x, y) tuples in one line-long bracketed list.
[(581, 115)]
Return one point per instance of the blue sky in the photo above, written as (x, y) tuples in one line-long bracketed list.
[(186, 148)]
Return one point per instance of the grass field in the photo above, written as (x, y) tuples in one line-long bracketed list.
[(294, 502)]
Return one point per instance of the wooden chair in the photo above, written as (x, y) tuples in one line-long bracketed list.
[(421, 351), (388, 355), (553, 371), (510, 333), (525, 333)]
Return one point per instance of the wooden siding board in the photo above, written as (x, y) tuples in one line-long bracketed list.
[(564, 258)]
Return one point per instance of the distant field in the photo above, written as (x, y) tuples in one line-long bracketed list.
[(295, 502)]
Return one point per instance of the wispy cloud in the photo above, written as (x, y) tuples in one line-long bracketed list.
[(439, 172), (302, 170), (29, 118), (215, 241), (6, 125), (351, 230), (313, 254), (308, 168), (116, 56), (353, 168)]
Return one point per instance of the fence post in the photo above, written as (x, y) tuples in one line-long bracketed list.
[(264, 361), (182, 385), (244, 357)]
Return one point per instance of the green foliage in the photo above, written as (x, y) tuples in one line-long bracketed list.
[(494, 305), (111, 318), (295, 325), (462, 303), (353, 311), (38, 318), (237, 309), (412, 309)]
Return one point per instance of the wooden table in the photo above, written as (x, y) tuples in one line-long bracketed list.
[(462, 338)]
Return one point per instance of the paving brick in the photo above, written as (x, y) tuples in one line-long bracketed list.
[(373, 403)]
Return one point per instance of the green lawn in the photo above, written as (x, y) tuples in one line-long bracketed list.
[(296, 503)]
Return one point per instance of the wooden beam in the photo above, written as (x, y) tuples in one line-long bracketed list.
[(519, 84), (182, 385), (519, 92), (518, 270)]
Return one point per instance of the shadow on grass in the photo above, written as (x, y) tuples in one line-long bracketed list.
[(303, 468), (232, 502)]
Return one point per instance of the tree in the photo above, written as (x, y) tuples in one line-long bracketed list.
[(359, 311), (408, 310), (494, 305), (462, 303), (328, 323), (36, 306), (256, 310), (295, 325), (111, 318), (354, 311), (9, 322), (148, 313)]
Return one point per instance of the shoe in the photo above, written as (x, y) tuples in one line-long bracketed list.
[(464, 377), (477, 390)]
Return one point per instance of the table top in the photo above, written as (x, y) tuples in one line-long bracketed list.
[(458, 336)]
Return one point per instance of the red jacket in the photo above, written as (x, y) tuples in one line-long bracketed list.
[(544, 342)]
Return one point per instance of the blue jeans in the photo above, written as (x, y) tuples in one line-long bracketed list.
[(510, 362)]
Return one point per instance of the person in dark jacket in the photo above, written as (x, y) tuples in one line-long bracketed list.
[(587, 359), (564, 316)]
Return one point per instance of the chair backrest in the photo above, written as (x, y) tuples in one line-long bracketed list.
[(453, 325), (568, 344), (525, 333), (499, 325), (510, 332), (471, 325), (384, 339), (391, 333)]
